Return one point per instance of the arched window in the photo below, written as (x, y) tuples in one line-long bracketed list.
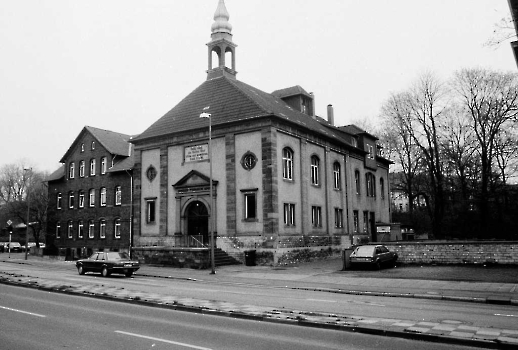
[(82, 168), (315, 165), (70, 228), (337, 176), (102, 228), (81, 199), (71, 199), (117, 228), (287, 164), (104, 165), (103, 196), (357, 181), (92, 167), (59, 200), (80, 229), (370, 184), (58, 229), (90, 229), (91, 196), (118, 195), (71, 170)]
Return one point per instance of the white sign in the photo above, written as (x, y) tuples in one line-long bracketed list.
[(383, 229), (196, 153)]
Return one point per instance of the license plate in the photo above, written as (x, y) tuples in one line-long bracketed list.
[(128, 265)]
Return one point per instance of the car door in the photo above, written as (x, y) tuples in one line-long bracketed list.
[(89, 264), (384, 254)]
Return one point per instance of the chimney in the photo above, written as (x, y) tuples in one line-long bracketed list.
[(312, 104), (330, 115)]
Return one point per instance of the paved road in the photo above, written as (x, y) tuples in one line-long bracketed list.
[(310, 277), (62, 321)]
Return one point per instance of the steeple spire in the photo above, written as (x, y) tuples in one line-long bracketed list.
[(221, 17), (221, 43)]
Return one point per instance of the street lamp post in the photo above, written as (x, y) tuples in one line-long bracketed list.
[(211, 219), (28, 216)]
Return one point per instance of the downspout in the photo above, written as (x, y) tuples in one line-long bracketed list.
[(131, 213)]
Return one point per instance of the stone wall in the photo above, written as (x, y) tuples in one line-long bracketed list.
[(468, 252)]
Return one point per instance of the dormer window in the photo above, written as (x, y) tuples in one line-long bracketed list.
[(370, 149)]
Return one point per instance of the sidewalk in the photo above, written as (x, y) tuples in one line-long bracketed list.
[(323, 276), (327, 276)]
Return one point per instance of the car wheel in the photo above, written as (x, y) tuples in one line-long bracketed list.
[(129, 273), (105, 272), (81, 270)]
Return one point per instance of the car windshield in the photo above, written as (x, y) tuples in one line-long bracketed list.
[(366, 250), (117, 256)]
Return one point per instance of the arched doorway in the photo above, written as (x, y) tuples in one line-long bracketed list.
[(198, 221)]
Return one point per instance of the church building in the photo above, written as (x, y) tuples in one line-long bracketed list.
[(285, 183)]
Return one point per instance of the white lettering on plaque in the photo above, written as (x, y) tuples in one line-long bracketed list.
[(196, 153)]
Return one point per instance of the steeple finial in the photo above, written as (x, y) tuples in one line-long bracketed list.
[(221, 17)]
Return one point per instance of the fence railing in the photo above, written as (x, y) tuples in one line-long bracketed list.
[(191, 241)]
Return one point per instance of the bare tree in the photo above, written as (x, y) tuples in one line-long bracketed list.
[(17, 182), (491, 100)]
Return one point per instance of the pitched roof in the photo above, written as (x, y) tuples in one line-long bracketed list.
[(58, 174), (229, 100), (291, 91), (123, 165), (114, 142)]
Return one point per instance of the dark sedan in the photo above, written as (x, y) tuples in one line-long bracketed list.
[(373, 256), (107, 263)]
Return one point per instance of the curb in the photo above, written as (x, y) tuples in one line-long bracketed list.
[(272, 317)]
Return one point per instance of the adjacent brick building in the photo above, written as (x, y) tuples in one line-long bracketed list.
[(90, 195)]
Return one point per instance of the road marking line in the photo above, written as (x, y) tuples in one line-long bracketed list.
[(506, 315), (322, 300), (163, 340), (20, 311)]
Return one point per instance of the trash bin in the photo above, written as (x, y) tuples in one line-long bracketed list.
[(250, 257), (346, 258)]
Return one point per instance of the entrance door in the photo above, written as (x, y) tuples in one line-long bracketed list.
[(198, 221)]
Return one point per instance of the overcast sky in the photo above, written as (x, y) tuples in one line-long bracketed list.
[(122, 64)]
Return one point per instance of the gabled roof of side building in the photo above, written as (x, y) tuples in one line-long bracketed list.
[(114, 142)]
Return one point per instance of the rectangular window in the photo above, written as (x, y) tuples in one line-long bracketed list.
[(70, 229), (370, 149), (316, 216), (356, 221), (289, 214), (250, 206), (315, 163), (366, 221), (58, 230), (339, 217), (150, 210), (103, 165), (336, 176)]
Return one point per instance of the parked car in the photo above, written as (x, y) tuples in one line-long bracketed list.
[(15, 247), (373, 256), (107, 263)]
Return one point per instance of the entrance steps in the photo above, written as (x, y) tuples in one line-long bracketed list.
[(221, 258)]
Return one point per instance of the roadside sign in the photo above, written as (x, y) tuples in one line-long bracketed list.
[(9, 222)]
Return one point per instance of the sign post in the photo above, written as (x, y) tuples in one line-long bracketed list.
[(10, 228)]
